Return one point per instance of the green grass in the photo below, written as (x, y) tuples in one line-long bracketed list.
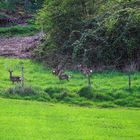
[(28, 120), (18, 30), (109, 88)]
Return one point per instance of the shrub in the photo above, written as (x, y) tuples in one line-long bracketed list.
[(90, 93), (27, 93), (128, 102), (56, 91), (119, 94), (59, 93), (86, 92)]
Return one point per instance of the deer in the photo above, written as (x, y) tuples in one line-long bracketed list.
[(14, 78), (86, 71), (56, 71), (59, 71), (63, 76)]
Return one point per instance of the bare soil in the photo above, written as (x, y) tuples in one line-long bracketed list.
[(18, 47)]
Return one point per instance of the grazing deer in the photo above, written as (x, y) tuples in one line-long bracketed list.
[(63, 76), (56, 71), (60, 73), (14, 78)]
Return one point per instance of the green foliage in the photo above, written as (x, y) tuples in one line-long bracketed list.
[(28, 93), (27, 5), (86, 92), (110, 32)]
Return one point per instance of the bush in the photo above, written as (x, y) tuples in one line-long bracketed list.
[(90, 93), (128, 102), (119, 94), (27, 93), (59, 93), (86, 92)]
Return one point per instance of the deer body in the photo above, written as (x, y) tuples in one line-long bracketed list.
[(57, 71), (14, 78), (64, 77), (87, 72), (60, 73)]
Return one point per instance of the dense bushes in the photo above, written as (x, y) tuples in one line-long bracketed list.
[(114, 42), (110, 33)]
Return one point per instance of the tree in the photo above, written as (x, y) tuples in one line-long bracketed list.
[(109, 29)]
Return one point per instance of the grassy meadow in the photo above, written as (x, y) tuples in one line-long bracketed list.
[(110, 88), (31, 120)]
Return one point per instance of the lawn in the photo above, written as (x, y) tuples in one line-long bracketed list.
[(29, 120)]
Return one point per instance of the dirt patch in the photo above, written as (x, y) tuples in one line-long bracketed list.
[(18, 47)]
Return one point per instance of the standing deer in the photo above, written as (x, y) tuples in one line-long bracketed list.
[(14, 78), (87, 72)]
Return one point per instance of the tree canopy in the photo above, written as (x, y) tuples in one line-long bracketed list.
[(109, 30)]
